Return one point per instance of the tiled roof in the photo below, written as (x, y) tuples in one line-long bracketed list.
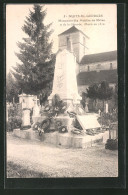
[(71, 30), (99, 57), (87, 78)]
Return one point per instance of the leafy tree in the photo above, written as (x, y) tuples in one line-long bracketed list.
[(100, 91), (11, 89), (104, 91), (92, 92), (35, 72)]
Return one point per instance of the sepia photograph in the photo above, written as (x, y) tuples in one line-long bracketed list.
[(61, 91)]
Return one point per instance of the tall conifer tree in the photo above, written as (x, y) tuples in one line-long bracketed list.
[(12, 89), (35, 72)]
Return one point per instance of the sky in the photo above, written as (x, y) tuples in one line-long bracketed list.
[(97, 21)]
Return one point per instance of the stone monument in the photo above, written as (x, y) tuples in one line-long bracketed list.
[(65, 83), (61, 128)]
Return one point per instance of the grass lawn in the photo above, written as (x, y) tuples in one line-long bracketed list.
[(17, 171)]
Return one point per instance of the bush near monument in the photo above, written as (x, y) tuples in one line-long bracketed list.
[(107, 118), (14, 123), (112, 144), (14, 118)]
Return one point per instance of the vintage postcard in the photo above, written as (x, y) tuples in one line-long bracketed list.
[(61, 91)]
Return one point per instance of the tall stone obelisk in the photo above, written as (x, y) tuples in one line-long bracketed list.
[(65, 83)]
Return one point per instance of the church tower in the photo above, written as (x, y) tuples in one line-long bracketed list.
[(77, 39)]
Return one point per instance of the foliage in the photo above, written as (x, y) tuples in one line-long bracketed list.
[(58, 125), (56, 100), (57, 107), (92, 91), (100, 91), (111, 144), (35, 72), (13, 111), (14, 123), (14, 118), (43, 125), (104, 91), (107, 118), (11, 88)]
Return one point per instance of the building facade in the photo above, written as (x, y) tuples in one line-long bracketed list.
[(95, 68), (78, 39)]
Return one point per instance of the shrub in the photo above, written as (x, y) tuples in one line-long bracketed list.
[(111, 144), (108, 118), (13, 123), (14, 118)]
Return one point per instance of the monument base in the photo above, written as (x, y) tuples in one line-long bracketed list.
[(67, 140)]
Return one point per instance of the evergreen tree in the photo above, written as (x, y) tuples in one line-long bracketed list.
[(11, 89), (35, 72)]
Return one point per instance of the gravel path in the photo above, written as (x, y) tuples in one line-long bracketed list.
[(61, 162)]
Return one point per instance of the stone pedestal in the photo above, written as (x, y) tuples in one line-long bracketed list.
[(26, 118), (67, 140), (36, 108)]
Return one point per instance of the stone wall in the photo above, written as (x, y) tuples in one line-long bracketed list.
[(107, 65)]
